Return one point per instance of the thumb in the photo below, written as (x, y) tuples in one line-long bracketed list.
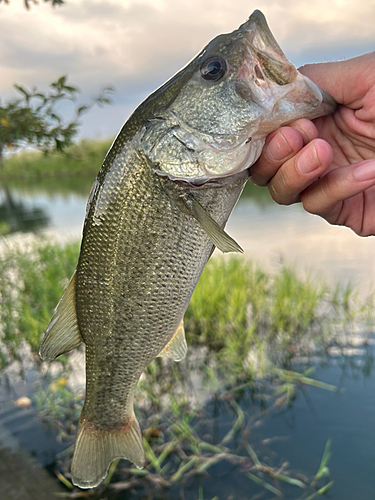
[(344, 80)]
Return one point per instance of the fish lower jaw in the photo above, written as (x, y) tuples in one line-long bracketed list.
[(214, 174), (254, 148)]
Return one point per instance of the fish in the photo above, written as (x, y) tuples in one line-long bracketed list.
[(156, 211)]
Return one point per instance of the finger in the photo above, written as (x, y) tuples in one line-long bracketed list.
[(280, 146), (300, 172), (325, 197), (342, 79)]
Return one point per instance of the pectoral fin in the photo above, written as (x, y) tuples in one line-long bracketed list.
[(176, 348), (62, 334), (218, 236)]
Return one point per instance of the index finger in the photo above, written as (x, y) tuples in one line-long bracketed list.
[(280, 146), (347, 81)]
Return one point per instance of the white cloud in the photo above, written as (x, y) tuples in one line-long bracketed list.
[(137, 44)]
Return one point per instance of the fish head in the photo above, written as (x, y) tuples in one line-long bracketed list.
[(239, 89)]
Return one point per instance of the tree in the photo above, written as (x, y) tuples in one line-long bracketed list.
[(33, 120), (35, 2)]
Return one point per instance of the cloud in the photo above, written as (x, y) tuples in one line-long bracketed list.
[(138, 44)]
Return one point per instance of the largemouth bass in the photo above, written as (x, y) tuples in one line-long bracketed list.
[(156, 211)]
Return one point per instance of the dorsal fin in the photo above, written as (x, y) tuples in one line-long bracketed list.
[(62, 334), (176, 348)]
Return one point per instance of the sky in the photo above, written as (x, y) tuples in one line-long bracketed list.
[(136, 45)]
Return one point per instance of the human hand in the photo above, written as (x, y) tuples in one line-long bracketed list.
[(329, 164)]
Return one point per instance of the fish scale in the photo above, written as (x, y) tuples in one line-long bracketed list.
[(149, 281), (157, 209)]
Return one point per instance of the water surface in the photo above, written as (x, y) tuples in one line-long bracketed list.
[(271, 235)]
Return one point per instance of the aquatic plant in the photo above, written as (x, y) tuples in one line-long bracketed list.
[(245, 329), (32, 279), (82, 159)]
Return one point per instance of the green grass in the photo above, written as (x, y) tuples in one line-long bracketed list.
[(244, 328), (236, 308), (83, 159), (31, 284), (250, 317)]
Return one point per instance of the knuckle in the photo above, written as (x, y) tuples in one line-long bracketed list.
[(282, 198), (309, 204), (258, 180), (321, 200), (287, 183), (363, 232), (307, 129), (273, 193)]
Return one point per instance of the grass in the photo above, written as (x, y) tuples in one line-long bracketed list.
[(31, 284), (237, 309), (35, 172), (277, 317), (83, 159), (245, 329)]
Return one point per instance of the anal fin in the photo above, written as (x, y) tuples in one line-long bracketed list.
[(62, 334), (176, 348)]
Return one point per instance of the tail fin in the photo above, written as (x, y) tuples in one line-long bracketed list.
[(96, 449)]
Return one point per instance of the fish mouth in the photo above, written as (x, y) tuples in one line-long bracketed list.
[(276, 77), (260, 34), (265, 49)]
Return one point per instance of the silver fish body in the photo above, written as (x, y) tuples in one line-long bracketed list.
[(156, 211)]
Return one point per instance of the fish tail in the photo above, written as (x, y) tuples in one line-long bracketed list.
[(96, 449)]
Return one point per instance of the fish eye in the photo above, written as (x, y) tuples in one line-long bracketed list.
[(213, 68)]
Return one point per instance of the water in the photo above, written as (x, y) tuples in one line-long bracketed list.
[(27, 447), (300, 433), (296, 435), (345, 418), (271, 235)]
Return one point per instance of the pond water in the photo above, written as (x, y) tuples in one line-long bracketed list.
[(298, 435), (272, 236), (269, 234)]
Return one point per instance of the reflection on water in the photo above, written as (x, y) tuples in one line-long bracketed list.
[(344, 417), (26, 446), (295, 437), (296, 433), (272, 234), (287, 439), (269, 233), (289, 235), (55, 206), (18, 216)]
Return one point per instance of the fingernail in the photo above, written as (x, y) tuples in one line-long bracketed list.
[(278, 148), (365, 171), (308, 160), (272, 191)]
